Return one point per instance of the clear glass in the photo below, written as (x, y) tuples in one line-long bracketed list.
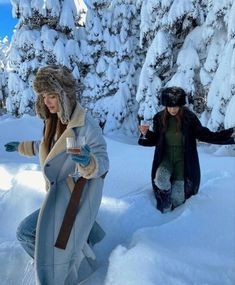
[(73, 146), (144, 123)]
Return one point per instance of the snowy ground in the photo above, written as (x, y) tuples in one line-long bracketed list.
[(193, 245)]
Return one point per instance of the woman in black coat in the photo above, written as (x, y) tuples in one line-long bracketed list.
[(175, 170)]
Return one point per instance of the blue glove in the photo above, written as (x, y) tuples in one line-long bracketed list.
[(11, 146), (84, 157)]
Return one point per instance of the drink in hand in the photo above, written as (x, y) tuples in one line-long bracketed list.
[(144, 126), (74, 145), (74, 150), (71, 146)]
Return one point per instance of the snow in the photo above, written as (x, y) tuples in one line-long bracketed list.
[(48, 37), (178, 8), (194, 244), (101, 66), (220, 92), (68, 14), (59, 51)]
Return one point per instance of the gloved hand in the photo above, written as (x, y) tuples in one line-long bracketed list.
[(84, 157), (11, 146)]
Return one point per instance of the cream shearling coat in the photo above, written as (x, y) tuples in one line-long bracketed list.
[(56, 266)]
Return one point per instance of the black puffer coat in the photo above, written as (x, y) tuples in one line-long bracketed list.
[(192, 130)]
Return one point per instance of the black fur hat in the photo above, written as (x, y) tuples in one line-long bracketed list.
[(59, 80), (173, 97)]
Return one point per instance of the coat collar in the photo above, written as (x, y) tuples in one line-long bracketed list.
[(77, 120), (78, 117)]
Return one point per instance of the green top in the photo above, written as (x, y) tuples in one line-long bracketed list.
[(173, 137)]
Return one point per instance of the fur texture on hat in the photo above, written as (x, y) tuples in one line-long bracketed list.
[(60, 81), (173, 97)]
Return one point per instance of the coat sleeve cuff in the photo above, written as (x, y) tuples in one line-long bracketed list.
[(90, 170), (26, 148)]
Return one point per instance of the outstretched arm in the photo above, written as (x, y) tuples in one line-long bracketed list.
[(27, 148), (221, 137)]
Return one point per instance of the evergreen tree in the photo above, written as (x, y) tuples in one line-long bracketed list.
[(46, 33), (111, 83), (219, 67), (4, 50), (165, 25), (92, 48), (189, 44)]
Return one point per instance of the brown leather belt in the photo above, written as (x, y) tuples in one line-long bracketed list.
[(70, 214)]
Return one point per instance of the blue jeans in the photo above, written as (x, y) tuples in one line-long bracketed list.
[(26, 233)]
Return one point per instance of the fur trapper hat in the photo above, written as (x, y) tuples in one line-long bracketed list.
[(173, 97), (60, 81)]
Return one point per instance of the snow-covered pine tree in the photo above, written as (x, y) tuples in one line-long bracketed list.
[(110, 85), (46, 33), (92, 49), (218, 71), (165, 24), (4, 50)]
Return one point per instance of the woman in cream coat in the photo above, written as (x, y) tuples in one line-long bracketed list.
[(63, 117)]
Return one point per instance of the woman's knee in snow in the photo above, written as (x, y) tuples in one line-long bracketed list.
[(177, 195), (162, 178), (23, 233)]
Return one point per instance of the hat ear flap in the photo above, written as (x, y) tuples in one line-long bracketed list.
[(66, 107)]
